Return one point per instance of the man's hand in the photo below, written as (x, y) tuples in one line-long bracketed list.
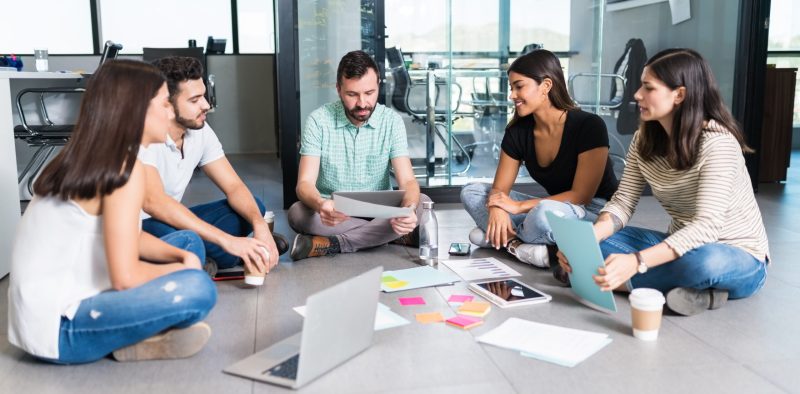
[(250, 251), (504, 202), (405, 224), (329, 215), (261, 232)]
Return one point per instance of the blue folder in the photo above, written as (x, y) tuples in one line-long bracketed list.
[(575, 239)]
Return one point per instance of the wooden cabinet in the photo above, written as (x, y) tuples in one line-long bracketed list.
[(776, 130)]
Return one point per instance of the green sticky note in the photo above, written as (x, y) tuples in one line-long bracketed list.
[(388, 278)]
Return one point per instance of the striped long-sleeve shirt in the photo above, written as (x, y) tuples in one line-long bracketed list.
[(710, 202)]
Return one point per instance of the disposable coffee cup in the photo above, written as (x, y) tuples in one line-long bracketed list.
[(269, 217), (255, 278), (646, 308)]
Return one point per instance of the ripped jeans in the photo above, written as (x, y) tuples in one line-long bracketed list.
[(114, 319)]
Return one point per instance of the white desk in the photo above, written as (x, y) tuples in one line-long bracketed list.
[(10, 82)]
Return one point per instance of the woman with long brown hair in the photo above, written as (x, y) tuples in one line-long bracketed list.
[(689, 150), (565, 151), (85, 280)]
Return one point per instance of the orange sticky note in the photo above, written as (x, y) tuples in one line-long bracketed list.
[(475, 308), (432, 317)]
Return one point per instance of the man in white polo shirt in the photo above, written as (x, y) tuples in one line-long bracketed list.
[(225, 224)]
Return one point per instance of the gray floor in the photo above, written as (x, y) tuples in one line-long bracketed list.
[(750, 345)]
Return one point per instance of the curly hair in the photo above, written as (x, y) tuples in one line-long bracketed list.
[(179, 69)]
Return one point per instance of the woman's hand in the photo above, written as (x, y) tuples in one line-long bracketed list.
[(500, 229), (619, 268), (503, 201), (191, 261)]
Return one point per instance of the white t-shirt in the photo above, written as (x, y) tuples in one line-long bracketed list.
[(175, 168), (58, 260)]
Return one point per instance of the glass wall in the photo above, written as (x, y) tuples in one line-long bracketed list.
[(784, 42), (446, 65)]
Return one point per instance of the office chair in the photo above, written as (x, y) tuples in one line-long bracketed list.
[(153, 54), (46, 137), (403, 87)]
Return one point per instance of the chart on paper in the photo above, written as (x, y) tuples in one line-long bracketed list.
[(477, 269)]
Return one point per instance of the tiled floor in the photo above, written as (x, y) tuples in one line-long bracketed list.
[(750, 345)]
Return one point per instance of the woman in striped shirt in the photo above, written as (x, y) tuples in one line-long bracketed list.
[(689, 150)]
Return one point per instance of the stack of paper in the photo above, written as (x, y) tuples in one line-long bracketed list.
[(558, 345), (414, 278)]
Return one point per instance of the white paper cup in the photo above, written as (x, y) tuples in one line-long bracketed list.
[(255, 278), (647, 306)]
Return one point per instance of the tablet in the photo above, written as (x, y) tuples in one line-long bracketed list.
[(509, 292)]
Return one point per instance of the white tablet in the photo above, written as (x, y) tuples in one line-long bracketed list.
[(509, 292)]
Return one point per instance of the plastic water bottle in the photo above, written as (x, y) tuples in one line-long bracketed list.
[(428, 235)]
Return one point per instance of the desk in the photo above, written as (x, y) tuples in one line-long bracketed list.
[(10, 83)]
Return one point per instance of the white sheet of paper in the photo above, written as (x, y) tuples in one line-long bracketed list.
[(361, 209), (558, 345), (681, 10), (477, 269), (384, 318)]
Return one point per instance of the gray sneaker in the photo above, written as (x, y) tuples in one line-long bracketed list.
[(478, 237), (533, 254), (688, 302), (171, 344)]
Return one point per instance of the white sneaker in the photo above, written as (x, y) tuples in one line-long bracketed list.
[(533, 254), (478, 237)]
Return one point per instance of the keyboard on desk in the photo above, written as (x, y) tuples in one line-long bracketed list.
[(286, 369)]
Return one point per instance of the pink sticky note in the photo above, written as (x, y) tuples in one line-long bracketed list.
[(411, 301), (460, 298)]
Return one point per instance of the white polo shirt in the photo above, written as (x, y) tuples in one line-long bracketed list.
[(175, 168)]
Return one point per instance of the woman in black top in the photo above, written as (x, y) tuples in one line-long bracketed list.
[(564, 149)]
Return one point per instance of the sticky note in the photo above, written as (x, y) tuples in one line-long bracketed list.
[(464, 322), (396, 284), (475, 308), (411, 301), (388, 278), (460, 298), (432, 317)]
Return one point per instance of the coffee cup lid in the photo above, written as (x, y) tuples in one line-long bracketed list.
[(647, 297)]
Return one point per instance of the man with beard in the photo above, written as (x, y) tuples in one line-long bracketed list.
[(223, 225), (349, 145)]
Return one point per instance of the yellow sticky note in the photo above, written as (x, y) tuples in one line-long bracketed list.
[(396, 284), (432, 317)]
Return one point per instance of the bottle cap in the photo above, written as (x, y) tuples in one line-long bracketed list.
[(427, 204)]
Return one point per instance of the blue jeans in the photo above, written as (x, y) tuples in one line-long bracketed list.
[(714, 265), (531, 227), (114, 319), (220, 215)]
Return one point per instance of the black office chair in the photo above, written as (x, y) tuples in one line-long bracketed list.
[(403, 88), (153, 54)]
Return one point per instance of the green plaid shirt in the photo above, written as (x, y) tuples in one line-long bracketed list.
[(353, 158)]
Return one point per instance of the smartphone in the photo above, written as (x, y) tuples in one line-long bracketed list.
[(459, 249), (229, 275)]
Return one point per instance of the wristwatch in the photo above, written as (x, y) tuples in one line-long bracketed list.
[(642, 268)]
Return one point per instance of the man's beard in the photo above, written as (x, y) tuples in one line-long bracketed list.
[(192, 124), (360, 118)]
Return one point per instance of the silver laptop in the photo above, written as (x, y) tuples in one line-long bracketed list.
[(339, 324)]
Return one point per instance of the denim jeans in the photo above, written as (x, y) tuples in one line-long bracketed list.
[(114, 319), (714, 265), (220, 215), (531, 227)]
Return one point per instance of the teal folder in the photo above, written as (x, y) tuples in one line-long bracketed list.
[(575, 238)]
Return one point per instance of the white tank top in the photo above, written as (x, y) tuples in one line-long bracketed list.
[(58, 260)]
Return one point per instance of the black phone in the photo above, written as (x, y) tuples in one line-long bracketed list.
[(229, 275), (459, 249)]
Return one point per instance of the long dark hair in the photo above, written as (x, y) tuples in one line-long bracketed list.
[(680, 67), (100, 155), (541, 64)]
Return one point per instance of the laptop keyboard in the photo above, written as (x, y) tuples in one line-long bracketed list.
[(286, 369)]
